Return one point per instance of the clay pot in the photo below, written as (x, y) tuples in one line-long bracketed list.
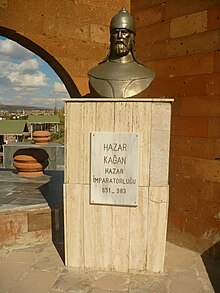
[(41, 137), (30, 162)]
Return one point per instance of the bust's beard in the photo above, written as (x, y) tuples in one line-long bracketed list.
[(121, 49)]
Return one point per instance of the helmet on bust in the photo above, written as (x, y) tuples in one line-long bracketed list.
[(123, 20)]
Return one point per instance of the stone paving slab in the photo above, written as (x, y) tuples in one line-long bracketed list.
[(39, 269), (36, 281)]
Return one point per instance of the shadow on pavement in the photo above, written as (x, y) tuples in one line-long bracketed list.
[(211, 260), (53, 194)]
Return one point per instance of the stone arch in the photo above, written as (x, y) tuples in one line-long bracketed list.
[(47, 57)]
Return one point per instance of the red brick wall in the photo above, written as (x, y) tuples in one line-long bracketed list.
[(180, 41), (74, 33)]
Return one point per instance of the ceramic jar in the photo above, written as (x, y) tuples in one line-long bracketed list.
[(41, 137), (30, 162)]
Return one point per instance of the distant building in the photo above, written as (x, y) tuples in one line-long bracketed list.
[(12, 130), (43, 122)]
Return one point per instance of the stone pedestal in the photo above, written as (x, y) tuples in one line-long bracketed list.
[(109, 237)]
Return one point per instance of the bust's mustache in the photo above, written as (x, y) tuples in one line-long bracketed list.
[(121, 42)]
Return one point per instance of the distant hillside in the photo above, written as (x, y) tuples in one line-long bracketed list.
[(20, 107)]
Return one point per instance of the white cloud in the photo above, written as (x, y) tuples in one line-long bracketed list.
[(21, 71), (28, 65), (26, 79), (11, 49), (25, 91), (37, 79), (24, 74), (58, 87)]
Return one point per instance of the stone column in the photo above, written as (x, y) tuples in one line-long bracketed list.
[(118, 238)]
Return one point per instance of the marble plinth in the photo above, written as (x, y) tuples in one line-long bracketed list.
[(117, 238)]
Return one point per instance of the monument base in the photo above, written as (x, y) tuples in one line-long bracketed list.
[(117, 237)]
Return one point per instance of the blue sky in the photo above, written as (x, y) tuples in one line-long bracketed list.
[(26, 79)]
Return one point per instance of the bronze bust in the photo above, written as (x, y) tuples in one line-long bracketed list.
[(121, 74)]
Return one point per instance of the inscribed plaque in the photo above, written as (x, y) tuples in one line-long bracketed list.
[(114, 168)]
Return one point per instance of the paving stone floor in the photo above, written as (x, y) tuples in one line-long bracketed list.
[(17, 192), (39, 269)]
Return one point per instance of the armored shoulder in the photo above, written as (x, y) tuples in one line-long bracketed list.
[(119, 71), (120, 80)]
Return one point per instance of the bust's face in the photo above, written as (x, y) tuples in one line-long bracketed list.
[(121, 41)]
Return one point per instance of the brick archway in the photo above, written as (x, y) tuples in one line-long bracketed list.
[(47, 57)]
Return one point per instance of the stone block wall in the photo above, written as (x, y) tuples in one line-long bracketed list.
[(180, 40), (74, 33)]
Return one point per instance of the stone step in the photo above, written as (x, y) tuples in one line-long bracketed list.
[(31, 226), (30, 209), (25, 226)]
